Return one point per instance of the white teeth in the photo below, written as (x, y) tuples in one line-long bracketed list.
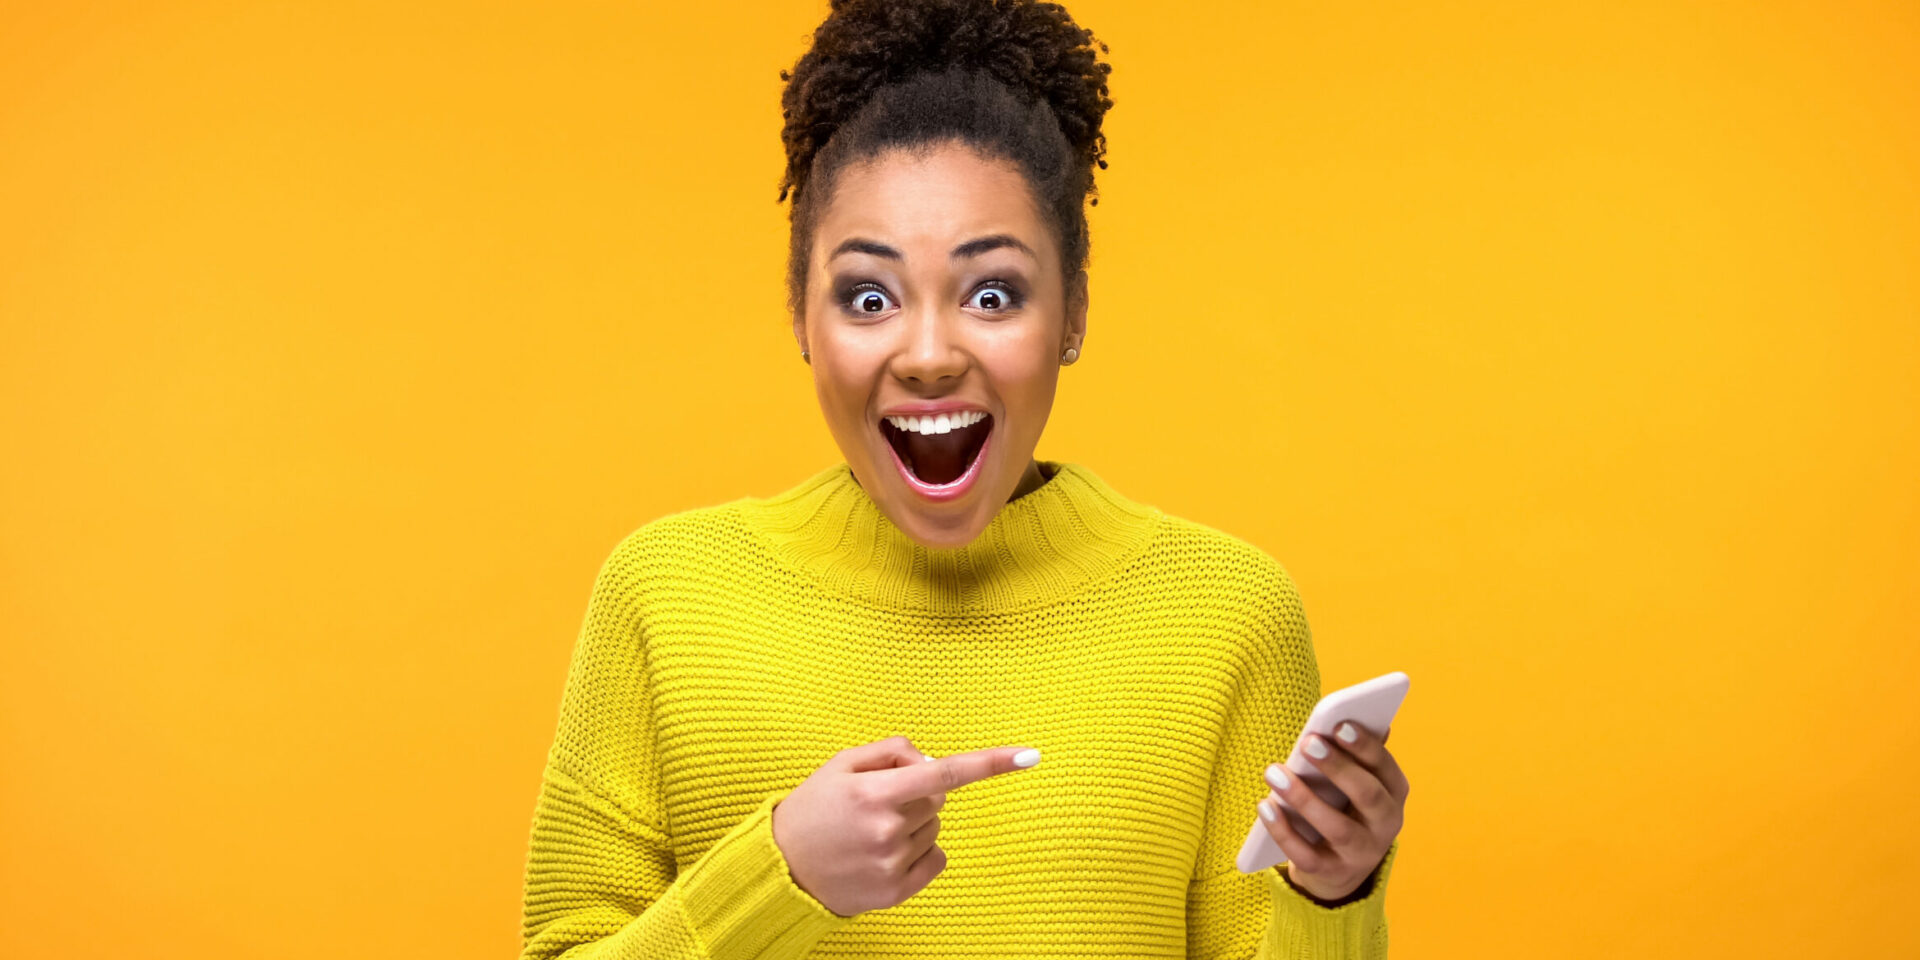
[(943, 423)]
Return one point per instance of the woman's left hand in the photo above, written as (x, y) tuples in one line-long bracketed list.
[(1354, 840)]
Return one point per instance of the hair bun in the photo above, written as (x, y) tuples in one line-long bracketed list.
[(1032, 47)]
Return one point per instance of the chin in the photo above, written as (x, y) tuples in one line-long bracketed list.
[(939, 526)]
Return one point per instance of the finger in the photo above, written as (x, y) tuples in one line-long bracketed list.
[(920, 840), (1339, 828), (1372, 753), (924, 779), (1367, 797), (918, 811), (894, 751), (1309, 858), (923, 871)]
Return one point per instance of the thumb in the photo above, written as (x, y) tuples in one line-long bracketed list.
[(895, 751)]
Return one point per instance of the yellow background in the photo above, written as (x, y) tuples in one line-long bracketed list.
[(1565, 354)]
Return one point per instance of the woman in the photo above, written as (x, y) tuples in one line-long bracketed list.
[(772, 701)]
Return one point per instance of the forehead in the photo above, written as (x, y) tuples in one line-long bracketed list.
[(934, 197)]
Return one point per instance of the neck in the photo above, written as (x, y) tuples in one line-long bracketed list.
[(1029, 481)]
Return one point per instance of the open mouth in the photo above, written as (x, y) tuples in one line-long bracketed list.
[(940, 458)]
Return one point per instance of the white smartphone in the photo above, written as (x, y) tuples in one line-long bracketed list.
[(1372, 705)]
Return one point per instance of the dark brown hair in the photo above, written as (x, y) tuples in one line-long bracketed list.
[(1014, 79)]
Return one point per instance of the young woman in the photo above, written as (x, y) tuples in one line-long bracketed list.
[(810, 724)]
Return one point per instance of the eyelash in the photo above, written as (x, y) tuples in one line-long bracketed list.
[(1007, 290)]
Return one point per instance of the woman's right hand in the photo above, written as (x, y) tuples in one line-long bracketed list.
[(858, 833)]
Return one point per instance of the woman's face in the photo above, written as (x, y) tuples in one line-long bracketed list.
[(934, 285)]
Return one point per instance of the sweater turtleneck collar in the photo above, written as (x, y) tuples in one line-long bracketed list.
[(1069, 532)]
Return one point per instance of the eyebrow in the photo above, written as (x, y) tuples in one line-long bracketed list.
[(972, 248)]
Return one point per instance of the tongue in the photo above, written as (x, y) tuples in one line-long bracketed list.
[(943, 457)]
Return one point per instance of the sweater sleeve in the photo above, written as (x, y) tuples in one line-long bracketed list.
[(1236, 915), (601, 878)]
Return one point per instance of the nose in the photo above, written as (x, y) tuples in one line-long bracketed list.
[(931, 350)]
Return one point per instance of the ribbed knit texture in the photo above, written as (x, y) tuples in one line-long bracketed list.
[(727, 652)]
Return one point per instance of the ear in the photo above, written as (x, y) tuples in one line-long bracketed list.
[(800, 328)]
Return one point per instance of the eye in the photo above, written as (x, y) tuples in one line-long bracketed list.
[(995, 296), (866, 298)]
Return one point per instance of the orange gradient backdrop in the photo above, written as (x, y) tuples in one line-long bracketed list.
[(1566, 355)]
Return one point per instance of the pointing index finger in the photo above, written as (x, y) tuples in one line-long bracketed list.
[(941, 774)]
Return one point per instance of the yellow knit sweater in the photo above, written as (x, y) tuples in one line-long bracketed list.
[(727, 652)]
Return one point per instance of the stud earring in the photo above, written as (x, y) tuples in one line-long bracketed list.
[(1070, 356), (806, 357)]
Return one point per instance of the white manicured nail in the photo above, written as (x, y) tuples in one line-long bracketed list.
[(927, 759), (1266, 811), (1277, 778), (1347, 733), (1026, 758), (1316, 747)]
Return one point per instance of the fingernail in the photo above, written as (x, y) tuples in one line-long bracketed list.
[(1316, 747), (1277, 777), (1026, 758), (1266, 811), (1347, 733), (927, 759)]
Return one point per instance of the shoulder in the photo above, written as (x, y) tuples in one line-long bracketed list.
[(683, 534), (1181, 549), (1243, 582), (672, 546), (1223, 557)]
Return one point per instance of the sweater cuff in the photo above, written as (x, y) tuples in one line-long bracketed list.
[(1343, 931), (742, 902)]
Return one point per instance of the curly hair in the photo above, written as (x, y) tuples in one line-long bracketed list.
[(1014, 79)]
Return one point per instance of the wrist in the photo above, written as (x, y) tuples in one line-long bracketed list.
[(1356, 894)]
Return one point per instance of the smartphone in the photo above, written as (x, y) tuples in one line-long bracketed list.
[(1372, 705)]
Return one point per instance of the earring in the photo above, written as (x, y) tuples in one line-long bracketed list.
[(806, 357), (1070, 356)]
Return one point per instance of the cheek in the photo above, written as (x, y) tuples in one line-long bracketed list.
[(837, 396), (1025, 375), (843, 378)]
